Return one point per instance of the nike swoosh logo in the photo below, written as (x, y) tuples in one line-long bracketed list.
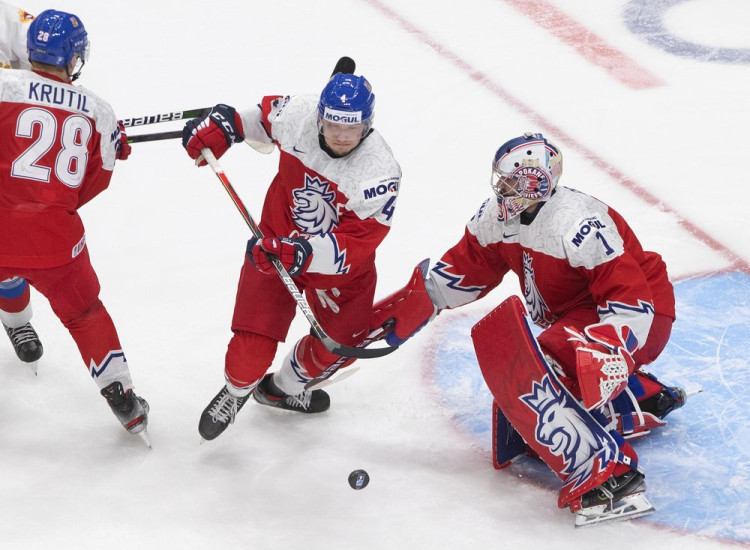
[(506, 236), (294, 148)]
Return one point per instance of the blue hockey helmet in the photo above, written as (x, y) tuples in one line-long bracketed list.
[(525, 171), (347, 99), (55, 38)]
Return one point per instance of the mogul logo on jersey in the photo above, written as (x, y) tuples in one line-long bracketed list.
[(563, 431), (381, 189), (585, 227), (314, 209), (538, 309), (342, 117)]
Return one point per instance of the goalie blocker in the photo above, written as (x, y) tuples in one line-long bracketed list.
[(534, 408)]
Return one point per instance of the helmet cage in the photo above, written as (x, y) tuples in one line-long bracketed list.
[(525, 171)]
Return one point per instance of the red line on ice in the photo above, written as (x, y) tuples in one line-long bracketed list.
[(594, 49), (737, 262)]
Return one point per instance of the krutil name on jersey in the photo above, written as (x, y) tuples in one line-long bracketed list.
[(56, 95)]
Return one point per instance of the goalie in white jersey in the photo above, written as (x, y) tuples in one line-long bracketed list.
[(606, 305)]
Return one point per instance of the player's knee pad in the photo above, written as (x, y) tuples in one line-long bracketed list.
[(248, 357)]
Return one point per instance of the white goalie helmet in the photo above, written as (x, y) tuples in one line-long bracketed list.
[(525, 171)]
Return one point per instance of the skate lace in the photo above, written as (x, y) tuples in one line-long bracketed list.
[(301, 400), (22, 334), (225, 409)]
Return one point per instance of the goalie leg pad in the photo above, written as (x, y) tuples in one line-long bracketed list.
[(543, 412), (507, 443)]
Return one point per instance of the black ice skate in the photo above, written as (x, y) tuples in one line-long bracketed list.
[(219, 414), (664, 402), (309, 401), (130, 410), (26, 342), (619, 498)]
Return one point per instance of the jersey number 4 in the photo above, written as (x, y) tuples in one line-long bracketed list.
[(71, 145)]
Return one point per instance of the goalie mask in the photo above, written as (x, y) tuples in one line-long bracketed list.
[(525, 172)]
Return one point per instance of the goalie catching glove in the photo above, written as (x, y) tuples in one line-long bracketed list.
[(218, 131), (603, 361), (293, 253)]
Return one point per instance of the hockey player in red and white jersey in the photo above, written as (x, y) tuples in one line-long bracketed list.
[(606, 307), (60, 144), (325, 213), (14, 24)]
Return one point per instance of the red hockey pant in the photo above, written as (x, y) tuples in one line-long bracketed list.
[(264, 310), (73, 293)]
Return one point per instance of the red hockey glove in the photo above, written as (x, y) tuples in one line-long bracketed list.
[(603, 361), (410, 308), (122, 147), (218, 132), (294, 253)]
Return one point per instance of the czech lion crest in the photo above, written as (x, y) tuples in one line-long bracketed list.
[(314, 209)]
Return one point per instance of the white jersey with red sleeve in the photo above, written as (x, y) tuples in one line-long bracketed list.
[(58, 153), (14, 24), (574, 251), (343, 206)]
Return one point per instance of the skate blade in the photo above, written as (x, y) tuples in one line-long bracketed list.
[(34, 366), (629, 507), (337, 378), (143, 434)]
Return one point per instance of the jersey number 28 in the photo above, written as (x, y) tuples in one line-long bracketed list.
[(72, 147)]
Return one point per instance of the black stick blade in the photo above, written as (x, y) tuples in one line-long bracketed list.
[(344, 65)]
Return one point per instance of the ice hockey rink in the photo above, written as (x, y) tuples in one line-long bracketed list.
[(648, 99)]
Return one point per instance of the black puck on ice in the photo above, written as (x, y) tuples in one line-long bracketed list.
[(359, 479)]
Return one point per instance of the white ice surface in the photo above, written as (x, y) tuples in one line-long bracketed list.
[(167, 245)]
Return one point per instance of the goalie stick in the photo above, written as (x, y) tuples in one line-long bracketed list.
[(330, 344), (344, 65)]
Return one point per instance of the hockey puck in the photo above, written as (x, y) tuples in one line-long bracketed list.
[(359, 479)]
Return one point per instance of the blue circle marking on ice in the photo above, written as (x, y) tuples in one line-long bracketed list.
[(645, 18), (698, 466)]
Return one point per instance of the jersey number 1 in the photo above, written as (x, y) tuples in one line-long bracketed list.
[(73, 154)]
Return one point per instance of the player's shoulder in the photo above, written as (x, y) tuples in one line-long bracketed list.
[(290, 110), (589, 233), (486, 227), (375, 151)]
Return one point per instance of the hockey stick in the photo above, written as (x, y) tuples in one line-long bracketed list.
[(344, 65), (165, 117), (330, 344), (174, 134), (324, 378)]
